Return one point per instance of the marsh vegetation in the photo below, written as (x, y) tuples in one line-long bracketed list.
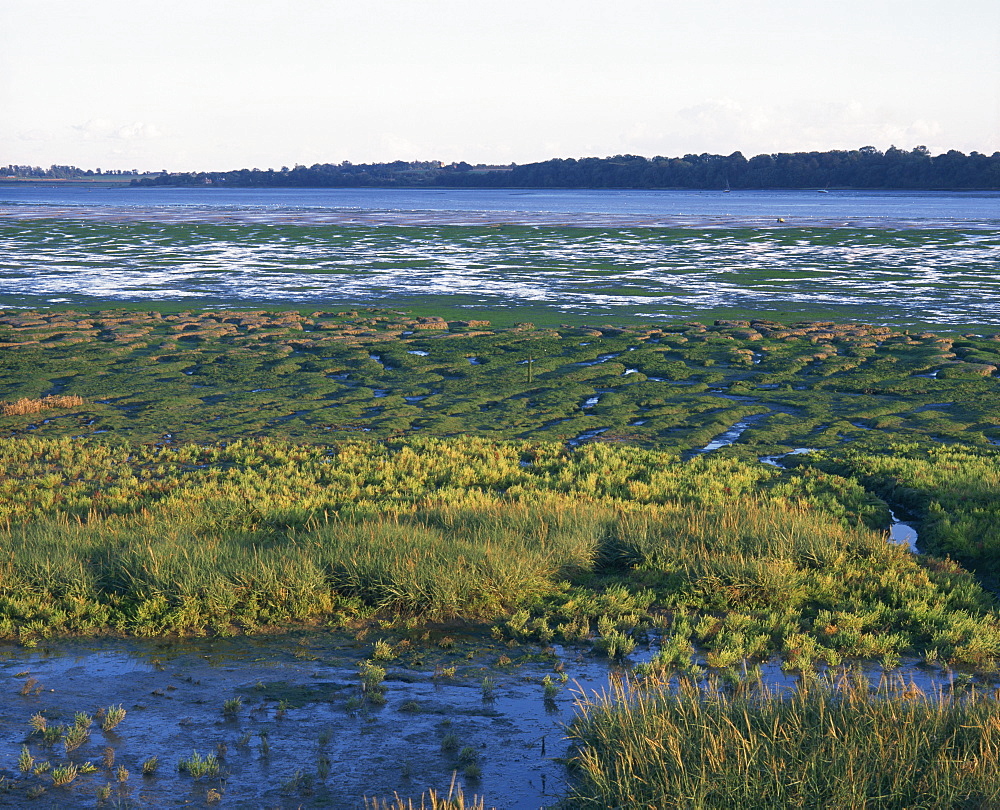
[(232, 473)]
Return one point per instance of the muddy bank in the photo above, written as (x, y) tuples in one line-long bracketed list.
[(298, 729), (290, 725)]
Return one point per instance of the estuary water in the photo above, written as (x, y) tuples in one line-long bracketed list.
[(929, 259)]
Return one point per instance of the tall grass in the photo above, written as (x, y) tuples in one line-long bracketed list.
[(725, 555), (27, 405), (833, 743)]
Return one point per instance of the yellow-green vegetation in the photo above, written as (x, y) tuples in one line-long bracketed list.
[(952, 490), (598, 543), (828, 744), (260, 470)]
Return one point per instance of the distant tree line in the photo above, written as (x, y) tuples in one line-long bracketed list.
[(864, 168), (60, 172)]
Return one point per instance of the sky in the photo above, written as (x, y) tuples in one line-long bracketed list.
[(190, 85)]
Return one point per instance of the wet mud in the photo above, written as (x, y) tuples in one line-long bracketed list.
[(304, 734)]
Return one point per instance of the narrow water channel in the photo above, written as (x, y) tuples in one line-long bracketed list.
[(900, 532)]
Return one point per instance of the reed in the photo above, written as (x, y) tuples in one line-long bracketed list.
[(26, 405), (431, 800), (829, 743)]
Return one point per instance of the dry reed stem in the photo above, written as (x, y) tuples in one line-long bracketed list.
[(26, 405)]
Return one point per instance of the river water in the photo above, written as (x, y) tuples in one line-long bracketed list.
[(930, 258)]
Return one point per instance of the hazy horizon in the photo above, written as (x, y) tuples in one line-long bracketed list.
[(194, 86)]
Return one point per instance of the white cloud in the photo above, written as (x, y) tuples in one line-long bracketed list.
[(103, 129)]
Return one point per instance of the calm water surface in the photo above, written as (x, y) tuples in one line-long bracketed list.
[(901, 258)]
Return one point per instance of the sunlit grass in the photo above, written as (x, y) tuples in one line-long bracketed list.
[(834, 743)]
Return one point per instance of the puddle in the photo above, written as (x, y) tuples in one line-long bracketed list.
[(379, 393), (474, 361), (591, 402), (729, 436), (601, 358), (587, 435), (414, 399), (418, 352), (902, 534), (300, 703), (775, 461)]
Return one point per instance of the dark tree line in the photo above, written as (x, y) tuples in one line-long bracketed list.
[(865, 168), (59, 172)]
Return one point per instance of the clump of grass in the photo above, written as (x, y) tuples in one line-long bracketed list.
[(150, 766), (232, 707), (383, 651), (468, 756), (197, 766), (112, 717), (25, 761), (74, 737), (449, 743), (299, 781), (64, 774), (832, 743), (372, 677), (25, 406)]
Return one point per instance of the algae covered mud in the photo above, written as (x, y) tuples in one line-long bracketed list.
[(901, 259)]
